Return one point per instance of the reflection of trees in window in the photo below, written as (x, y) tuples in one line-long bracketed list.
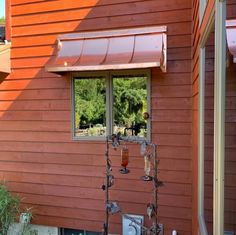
[(2, 29), (130, 102), (2, 22), (90, 103)]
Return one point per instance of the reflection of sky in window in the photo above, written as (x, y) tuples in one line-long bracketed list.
[(2, 8)]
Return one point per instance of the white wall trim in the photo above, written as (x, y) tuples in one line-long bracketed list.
[(219, 117), (201, 122), (201, 127)]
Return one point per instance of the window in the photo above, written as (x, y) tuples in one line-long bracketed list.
[(5, 21), (206, 129), (2, 22), (110, 102), (211, 126)]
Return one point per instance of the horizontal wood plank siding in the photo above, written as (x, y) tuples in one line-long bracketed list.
[(195, 74), (60, 178)]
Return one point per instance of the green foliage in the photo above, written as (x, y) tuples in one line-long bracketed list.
[(130, 100), (9, 209), (129, 96), (2, 20), (90, 104)]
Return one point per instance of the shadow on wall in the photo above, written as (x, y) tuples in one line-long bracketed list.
[(39, 159)]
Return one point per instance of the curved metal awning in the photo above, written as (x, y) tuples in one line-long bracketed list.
[(231, 37), (5, 68), (110, 50)]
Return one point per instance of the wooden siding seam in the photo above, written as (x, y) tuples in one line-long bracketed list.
[(102, 5), (68, 32), (90, 18), (33, 89), (102, 17), (69, 141), (101, 210), (90, 7), (35, 2), (114, 27)]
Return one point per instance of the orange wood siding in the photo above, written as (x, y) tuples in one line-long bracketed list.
[(60, 178), (195, 74)]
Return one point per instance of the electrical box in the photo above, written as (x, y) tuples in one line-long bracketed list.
[(132, 226)]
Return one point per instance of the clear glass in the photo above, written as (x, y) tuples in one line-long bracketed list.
[(209, 132), (130, 105), (90, 107)]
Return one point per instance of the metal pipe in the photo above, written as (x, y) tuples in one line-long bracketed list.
[(155, 181), (106, 225)]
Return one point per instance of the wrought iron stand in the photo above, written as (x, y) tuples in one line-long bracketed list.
[(111, 206)]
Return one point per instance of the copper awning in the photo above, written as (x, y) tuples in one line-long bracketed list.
[(231, 37), (110, 50), (4, 60)]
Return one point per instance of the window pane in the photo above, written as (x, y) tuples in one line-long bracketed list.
[(2, 22), (129, 105), (90, 106)]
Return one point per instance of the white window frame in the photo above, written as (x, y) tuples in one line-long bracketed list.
[(219, 116), (109, 101), (201, 124), (201, 145), (218, 16)]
